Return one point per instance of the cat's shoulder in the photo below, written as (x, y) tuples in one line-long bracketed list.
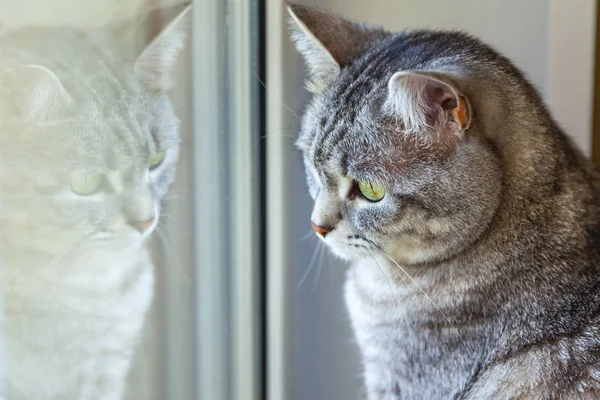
[(567, 368)]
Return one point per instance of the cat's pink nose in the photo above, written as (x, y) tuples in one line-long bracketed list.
[(321, 230), (143, 226)]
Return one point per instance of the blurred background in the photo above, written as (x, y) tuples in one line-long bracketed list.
[(247, 305)]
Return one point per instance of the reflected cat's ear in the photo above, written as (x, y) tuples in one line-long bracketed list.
[(423, 101), (35, 92), (153, 41), (167, 30), (328, 43)]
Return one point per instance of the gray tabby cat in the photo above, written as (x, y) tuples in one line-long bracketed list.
[(88, 148), (471, 221)]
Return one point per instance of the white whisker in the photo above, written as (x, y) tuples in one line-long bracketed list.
[(402, 309), (169, 220), (320, 267), (310, 266), (428, 298), (307, 236)]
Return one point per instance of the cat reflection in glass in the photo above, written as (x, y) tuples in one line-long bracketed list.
[(88, 147), (471, 221)]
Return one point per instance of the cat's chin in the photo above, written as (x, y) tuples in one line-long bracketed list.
[(350, 252)]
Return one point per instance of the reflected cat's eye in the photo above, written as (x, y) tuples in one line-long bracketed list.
[(371, 190), (86, 186), (156, 159)]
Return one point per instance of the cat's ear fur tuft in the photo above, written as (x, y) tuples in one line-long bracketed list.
[(154, 40), (424, 102), (167, 31), (35, 92), (327, 42)]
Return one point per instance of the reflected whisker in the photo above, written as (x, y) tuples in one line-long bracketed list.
[(280, 134), (167, 246), (72, 248), (72, 271), (173, 197)]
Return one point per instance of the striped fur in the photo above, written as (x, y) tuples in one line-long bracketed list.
[(477, 276)]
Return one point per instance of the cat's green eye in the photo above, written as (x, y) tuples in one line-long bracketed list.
[(156, 159), (86, 186), (371, 190)]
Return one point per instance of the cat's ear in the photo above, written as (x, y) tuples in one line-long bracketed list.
[(327, 42), (167, 30), (153, 40), (423, 101), (35, 92)]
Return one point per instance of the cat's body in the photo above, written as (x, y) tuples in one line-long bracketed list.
[(74, 338), (474, 192), (88, 146), (449, 343)]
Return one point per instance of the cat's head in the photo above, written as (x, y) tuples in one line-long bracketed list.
[(88, 137), (399, 139)]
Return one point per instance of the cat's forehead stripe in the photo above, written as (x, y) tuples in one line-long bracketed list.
[(345, 110)]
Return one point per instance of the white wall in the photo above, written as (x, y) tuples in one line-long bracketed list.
[(571, 51), (551, 41)]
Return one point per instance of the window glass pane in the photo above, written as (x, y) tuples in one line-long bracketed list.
[(129, 223)]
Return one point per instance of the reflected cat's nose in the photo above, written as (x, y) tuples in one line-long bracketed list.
[(321, 230), (142, 226)]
